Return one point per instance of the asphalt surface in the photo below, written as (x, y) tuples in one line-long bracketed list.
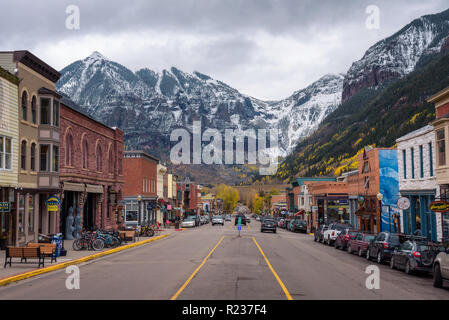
[(236, 269)]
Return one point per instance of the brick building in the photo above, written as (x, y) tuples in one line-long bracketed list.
[(91, 172), (140, 191)]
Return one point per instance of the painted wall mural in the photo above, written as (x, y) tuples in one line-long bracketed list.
[(389, 187)]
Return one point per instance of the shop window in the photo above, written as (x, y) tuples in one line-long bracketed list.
[(21, 213), (55, 159), (431, 159), (421, 162), (33, 110), (44, 156), (24, 106), (31, 213), (23, 155), (56, 113), (33, 157), (5, 153), (412, 157), (404, 162), (132, 208), (45, 110), (441, 145)]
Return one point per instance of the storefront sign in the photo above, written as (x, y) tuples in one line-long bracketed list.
[(439, 206), (53, 203), (403, 203), (5, 206), (168, 206)]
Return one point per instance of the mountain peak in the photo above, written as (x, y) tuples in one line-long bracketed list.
[(95, 56)]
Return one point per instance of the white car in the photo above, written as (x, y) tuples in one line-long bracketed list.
[(217, 220), (441, 269), (331, 234), (189, 222)]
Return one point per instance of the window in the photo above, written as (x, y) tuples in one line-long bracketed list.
[(33, 110), (85, 154), (56, 113), (21, 213), (404, 162), (55, 159), (441, 145), (131, 211), (365, 167), (99, 158), (431, 159), (30, 213), (69, 150), (44, 158), (45, 110), (412, 156), (421, 164), (23, 155), (111, 162), (5, 153), (24, 106), (33, 157)]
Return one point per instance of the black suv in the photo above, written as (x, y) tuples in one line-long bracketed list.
[(299, 226), (237, 219), (383, 246)]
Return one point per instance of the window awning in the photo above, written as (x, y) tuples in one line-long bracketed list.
[(94, 188), (70, 186)]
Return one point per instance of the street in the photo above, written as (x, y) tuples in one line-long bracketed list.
[(213, 262)]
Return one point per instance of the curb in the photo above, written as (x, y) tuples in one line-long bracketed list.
[(58, 266)]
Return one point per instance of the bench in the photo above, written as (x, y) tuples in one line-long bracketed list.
[(128, 235), (47, 249), (24, 253)]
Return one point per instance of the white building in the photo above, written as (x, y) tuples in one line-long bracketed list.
[(417, 182)]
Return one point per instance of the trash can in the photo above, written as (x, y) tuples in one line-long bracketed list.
[(57, 239)]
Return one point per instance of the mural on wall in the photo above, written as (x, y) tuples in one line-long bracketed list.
[(389, 187)]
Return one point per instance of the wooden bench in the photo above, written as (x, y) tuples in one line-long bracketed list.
[(24, 253), (128, 235), (47, 249)]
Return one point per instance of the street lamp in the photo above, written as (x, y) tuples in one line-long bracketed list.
[(139, 199), (380, 196)]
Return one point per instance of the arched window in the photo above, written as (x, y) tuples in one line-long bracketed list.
[(33, 157), (99, 158), (111, 161), (69, 150), (85, 154), (33, 110), (23, 156), (24, 105)]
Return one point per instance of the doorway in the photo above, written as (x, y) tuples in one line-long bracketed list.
[(89, 212)]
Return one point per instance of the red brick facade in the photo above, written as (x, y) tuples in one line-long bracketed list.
[(442, 110), (140, 175), (91, 154)]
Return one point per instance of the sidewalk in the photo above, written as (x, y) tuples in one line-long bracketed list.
[(19, 268)]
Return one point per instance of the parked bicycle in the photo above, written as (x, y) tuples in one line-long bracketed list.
[(88, 240)]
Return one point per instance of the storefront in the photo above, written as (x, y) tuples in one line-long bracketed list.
[(419, 218), (7, 221)]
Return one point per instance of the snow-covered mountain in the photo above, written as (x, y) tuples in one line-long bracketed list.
[(399, 54), (149, 105)]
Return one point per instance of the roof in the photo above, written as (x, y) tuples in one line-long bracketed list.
[(141, 153), (439, 95), (416, 133), (36, 64), (301, 181)]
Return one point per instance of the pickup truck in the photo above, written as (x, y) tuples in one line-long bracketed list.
[(331, 234)]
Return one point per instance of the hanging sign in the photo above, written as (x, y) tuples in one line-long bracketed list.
[(5, 206), (439, 206), (403, 203), (53, 203)]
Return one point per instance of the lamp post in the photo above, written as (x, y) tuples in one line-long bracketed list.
[(139, 199), (379, 198)]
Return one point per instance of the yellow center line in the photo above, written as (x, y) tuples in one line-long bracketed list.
[(175, 296), (289, 297)]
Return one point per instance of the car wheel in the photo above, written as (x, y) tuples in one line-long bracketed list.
[(392, 266), (379, 257), (437, 279), (349, 249), (408, 269), (360, 252)]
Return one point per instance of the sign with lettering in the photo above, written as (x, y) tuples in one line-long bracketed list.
[(53, 203), (403, 203), (5, 206), (439, 206)]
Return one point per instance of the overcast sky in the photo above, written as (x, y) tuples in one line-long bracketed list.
[(264, 48)]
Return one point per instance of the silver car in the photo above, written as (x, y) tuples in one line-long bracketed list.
[(218, 220), (188, 222), (441, 269)]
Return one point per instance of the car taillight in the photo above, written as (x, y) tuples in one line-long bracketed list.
[(417, 254), (347, 237), (385, 245), (333, 233)]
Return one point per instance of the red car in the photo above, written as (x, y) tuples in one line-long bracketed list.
[(343, 238), (360, 242)]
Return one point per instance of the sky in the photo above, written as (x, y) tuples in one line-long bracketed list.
[(264, 48)]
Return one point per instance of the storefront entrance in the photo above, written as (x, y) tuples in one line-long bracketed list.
[(7, 225), (69, 205), (89, 212)]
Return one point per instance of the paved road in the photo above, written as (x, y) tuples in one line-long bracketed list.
[(236, 269)]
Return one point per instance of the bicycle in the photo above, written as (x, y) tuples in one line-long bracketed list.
[(88, 240)]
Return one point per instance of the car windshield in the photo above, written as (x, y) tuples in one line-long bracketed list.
[(268, 220), (218, 217), (394, 239), (369, 237), (189, 218)]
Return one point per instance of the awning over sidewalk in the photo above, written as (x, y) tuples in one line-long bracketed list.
[(70, 186), (94, 188), (299, 212)]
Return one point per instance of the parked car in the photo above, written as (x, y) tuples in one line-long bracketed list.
[(382, 246), (228, 217), (343, 238), (414, 255), (299, 226), (359, 243), (237, 219), (217, 220), (269, 225), (248, 219), (281, 223), (319, 232), (189, 222), (441, 268), (331, 234), (290, 224)]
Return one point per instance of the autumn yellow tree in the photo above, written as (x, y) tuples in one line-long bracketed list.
[(230, 197)]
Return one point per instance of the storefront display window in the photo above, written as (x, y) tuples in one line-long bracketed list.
[(21, 213), (131, 211), (30, 213)]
